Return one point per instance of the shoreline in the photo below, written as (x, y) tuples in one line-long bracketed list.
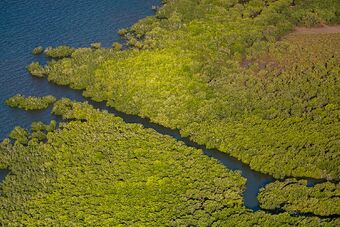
[(255, 179)]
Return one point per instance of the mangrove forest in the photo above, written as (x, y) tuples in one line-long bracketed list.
[(256, 81)]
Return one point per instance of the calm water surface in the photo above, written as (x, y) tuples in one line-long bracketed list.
[(30, 23), (25, 24)]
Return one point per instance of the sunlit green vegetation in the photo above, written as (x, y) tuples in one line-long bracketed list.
[(38, 50), (97, 170), (35, 69), (20, 135), (117, 46), (77, 72), (216, 71), (30, 102), (227, 74), (59, 52), (294, 196), (96, 45), (38, 132)]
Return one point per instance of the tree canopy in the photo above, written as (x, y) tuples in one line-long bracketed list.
[(30, 102), (96, 169), (225, 74)]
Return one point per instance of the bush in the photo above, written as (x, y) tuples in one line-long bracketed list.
[(117, 46), (35, 69), (311, 19), (59, 52), (20, 135), (123, 31), (294, 195), (191, 79), (96, 45), (38, 50), (30, 102)]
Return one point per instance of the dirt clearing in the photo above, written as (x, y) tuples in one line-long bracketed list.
[(318, 30)]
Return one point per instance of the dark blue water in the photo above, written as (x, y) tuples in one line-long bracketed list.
[(25, 24)]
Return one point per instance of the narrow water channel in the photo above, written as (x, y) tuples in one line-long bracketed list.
[(255, 180), (31, 23)]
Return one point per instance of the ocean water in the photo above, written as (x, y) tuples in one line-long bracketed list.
[(25, 24)]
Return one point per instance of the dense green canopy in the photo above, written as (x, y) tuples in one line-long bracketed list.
[(97, 170), (294, 196), (227, 74), (30, 102), (59, 52), (215, 70)]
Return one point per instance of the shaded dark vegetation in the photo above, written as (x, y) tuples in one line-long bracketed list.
[(170, 175), (225, 75), (279, 109), (30, 102)]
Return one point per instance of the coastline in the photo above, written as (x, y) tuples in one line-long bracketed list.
[(224, 158)]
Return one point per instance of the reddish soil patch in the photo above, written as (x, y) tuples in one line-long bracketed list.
[(266, 61), (318, 30)]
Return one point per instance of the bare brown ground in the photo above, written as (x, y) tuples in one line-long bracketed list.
[(319, 30), (266, 61)]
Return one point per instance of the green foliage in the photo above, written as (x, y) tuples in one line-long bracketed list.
[(38, 126), (152, 178), (97, 170), (35, 69), (51, 127), (39, 130), (77, 71), (294, 196), (38, 50), (59, 52), (313, 13), (123, 31), (96, 45), (38, 133), (20, 135), (215, 70), (137, 175), (30, 102), (117, 46)]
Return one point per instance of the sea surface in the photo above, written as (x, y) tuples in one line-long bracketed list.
[(26, 24)]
